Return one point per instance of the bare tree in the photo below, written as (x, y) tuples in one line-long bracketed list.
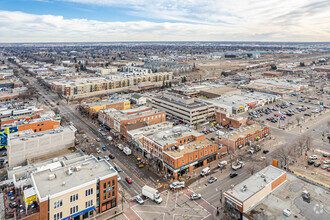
[(298, 120), (284, 153), (252, 168), (308, 142)]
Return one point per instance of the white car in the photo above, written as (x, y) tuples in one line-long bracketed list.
[(106, 158), (195, 196), (139, 200), (313, 157), (98, 150)]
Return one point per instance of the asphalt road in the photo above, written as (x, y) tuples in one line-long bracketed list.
[(140, 176)]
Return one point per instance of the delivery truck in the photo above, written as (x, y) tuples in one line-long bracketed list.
[(127, 151), (152, 194)]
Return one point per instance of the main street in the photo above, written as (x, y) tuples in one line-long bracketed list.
[(140, 176)]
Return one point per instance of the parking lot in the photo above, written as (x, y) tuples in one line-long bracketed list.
[(284, 114)]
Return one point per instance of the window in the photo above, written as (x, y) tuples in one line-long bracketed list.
[(205, 152), (196, 156), (58, 204), (201, 154), (108, 195), (113, 193), (89, 192), (73, 209), (113, 182), (190, 158), (182, 161), (89, 203), (74, 197), (58, 216), (104, 196), (105, 185), (108, 184)]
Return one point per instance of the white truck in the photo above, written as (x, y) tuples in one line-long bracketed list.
[(205, 171), (127, 151), (239, 165), (177, 185), (152, 194)]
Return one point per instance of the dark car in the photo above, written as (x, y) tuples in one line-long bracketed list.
[(13, 205), (232, 175), (325, 155), (310, 162), (112, 156), (265, 151), (317, 164)]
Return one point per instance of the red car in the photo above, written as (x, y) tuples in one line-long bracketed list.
[(129, 180)]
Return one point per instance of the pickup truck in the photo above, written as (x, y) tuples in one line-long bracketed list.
[(239, 165)]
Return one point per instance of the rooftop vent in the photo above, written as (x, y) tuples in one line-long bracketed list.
[(77, 168), (69, 171), (51, 176), (243, 189), (63, 183)]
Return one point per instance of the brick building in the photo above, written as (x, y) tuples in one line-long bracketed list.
[(225, 120), (244, 136), (94, 107), (179, 150)]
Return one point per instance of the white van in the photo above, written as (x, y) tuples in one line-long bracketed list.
[(205, 171)]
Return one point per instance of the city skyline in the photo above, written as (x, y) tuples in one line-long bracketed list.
[(102, 21)]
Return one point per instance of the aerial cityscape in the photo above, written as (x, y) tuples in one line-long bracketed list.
[(164, 110)]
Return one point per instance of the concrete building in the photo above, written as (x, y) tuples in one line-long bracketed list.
[(116, 120), (244, 136), (84, 187), (85, 87), (245, 195), (186, 109), (95, 107), (26, 144), (138, 99), (179, 150), (209, 90)]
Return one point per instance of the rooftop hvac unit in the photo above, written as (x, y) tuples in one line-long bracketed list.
[(243, 189), (51, 176), (55, 159), (77, 168), (69, 171)]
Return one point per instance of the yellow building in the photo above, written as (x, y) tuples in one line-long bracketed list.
[(94, 107)]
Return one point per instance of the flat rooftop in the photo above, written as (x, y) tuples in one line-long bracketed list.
[(108, 102), (138, 132), (83, 171), (243, 131), (255, 183), (189, 148), (169, 136)]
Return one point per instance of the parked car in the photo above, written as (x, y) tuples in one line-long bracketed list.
[(112, 156), (265, 151), (129, 180), (195, 196), (233, 174), (310, 162), (212, 179), (106, 158), (324, 166), (317, 164), (139, 200), (325, 155), (313, 157)]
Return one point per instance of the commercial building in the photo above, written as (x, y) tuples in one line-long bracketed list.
[(186, 109), (73, 186), (179, 150), (273, 74), (26, 144), (208, 90), (138, 99), (244, 136), (245, 195), (94, 107), (274, 86), (226, 120), (10, 112), (235, 104), (115, 120), (85, 87)]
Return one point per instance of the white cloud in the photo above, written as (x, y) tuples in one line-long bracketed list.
[(213, 20)]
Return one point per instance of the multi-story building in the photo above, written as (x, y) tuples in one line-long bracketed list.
[(186, 109), (244, 136), (73, 186), (85, 87), (116, 120), (247, 194), (179, 150), (25, 145), (94, 107)]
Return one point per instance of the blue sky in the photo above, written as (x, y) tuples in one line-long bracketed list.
[(164, 20)]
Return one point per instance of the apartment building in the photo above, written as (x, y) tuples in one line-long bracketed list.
[(242, 197), (179, 150), (26, 145), (186, 109), (243, 136), (94, 107), (116, 120), (85, 187), (85, 87)]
